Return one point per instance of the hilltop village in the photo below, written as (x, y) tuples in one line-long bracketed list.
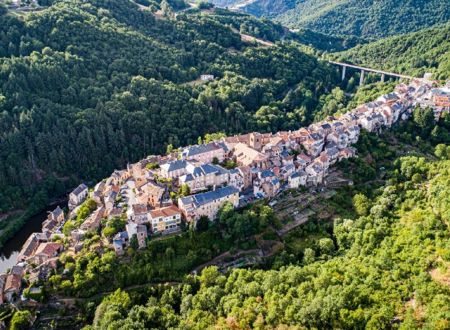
[(159, 195)]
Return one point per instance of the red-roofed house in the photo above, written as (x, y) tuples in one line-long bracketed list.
[(12, 288), (166, 219), (46, 251)]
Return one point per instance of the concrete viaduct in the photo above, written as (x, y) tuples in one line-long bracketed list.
[(364, 70)]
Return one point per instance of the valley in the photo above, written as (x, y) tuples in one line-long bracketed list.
[(366, 19), (224, 164)]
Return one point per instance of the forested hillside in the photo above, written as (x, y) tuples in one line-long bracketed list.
[(367, 18), (414, 54), (271, 31), (87, 86), (362, 18), (265, 8), (386, 267)]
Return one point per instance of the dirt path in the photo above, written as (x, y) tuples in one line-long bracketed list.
[(73, 300), (300, 219), (249, 38)]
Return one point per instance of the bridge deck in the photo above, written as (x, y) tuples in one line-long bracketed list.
[(371, 70)]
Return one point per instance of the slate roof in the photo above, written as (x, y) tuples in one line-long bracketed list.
[(332, 151), (353, 128), (223, 146), (78, 190), (17, 270), (141, 229), (316, 168), (57, 212), (111, 196), (391, 96), (325, 126), (207, 197), (294, 175), (174, 165), (186, 178), (30, 245), (337, 124), (202, 170), (284, 154), (288, 167), (397, 106), (330, 144), (316, 136), (120, 237), (267, 174), (200, 149)]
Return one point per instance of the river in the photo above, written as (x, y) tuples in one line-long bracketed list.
[(11, 249)]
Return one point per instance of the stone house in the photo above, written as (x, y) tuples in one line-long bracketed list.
[(138, 213), (205, 153), (352, 132), (201, 177), (77, 196), (297, 179), (208, 203), (173, 169), (120, 242), (236, 179), (31, 245), (46, 251), (150, 193), (247, 156), (316, 173), (271, 188), (93, 222), (13, 285), (140, 231)]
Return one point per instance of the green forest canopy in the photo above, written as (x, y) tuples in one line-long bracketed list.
[(87, 86), (360, 18)]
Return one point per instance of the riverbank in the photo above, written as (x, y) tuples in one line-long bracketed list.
[(16, 221), (26, 224)]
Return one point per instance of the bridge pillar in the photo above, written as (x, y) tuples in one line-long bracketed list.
[(382, 77), (343, 72), (361, 78)]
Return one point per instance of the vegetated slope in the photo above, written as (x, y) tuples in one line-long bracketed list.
[(390, 264), (362, 18), (227, 3), (272, 31), (325, 42), (415, 53), (367, 18), (267, 8), (87, 86)]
